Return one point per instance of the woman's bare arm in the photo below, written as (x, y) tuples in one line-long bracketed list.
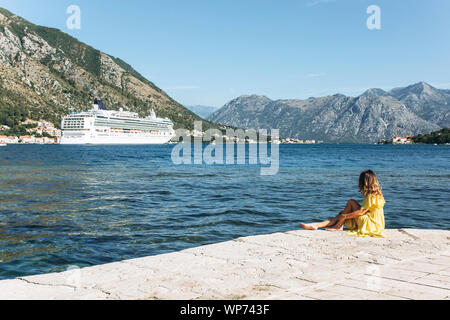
[(355, 214)]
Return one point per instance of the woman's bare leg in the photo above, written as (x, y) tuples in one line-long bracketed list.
[(318, 225), (352, 206)]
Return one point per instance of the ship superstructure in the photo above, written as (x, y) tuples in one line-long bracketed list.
[(102, 126)]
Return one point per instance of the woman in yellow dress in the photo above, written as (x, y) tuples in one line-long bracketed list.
[(364, 220)]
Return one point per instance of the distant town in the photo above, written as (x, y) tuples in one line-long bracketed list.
[(398, 140), (39, 132), (247, 139), (438, 137)]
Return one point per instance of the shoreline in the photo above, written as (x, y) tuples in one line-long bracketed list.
[(282, 143), (409, 264)]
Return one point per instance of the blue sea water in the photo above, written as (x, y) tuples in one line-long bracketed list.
[(86, 205)]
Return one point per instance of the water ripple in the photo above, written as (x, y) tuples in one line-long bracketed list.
[(86, 205)]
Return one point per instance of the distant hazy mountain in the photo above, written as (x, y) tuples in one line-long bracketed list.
[(373, 116), (202, 111)]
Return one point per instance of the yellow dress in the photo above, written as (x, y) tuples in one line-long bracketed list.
[(372, 223)]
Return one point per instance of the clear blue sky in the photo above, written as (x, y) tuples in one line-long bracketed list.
[(210, 51)]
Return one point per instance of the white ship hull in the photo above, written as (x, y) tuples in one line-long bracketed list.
[(108, 127), (115, 140)]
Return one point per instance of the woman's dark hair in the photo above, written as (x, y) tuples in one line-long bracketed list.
[(369, 184)]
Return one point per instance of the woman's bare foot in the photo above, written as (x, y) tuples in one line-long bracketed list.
[(309, 226), (334, 228)]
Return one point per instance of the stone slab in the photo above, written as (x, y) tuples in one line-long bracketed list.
[(409, 264)]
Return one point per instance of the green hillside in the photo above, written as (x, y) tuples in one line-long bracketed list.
[(438, 137), (47, 73)]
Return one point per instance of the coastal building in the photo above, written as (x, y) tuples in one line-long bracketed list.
[(12, 140), (9, 140), (42, 128), (297, 141), (39, 140), (52, 131), (27, 139), (47, 128), (29, 121), (401, 140), (50, 140), (196, 133)]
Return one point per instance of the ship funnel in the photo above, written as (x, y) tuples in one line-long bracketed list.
[(100, 104)]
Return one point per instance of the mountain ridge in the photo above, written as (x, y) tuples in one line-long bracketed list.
[(374, 115), (201, 110)]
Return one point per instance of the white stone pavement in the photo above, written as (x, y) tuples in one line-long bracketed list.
[(410, 264)]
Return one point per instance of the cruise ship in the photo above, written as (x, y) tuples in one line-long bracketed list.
[(103, 126)]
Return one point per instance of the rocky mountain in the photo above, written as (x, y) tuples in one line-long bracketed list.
[(371, 117), (202, 111), (48, 73), (426, 101)]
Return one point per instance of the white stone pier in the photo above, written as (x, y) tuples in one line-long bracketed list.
[(409, 264)]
